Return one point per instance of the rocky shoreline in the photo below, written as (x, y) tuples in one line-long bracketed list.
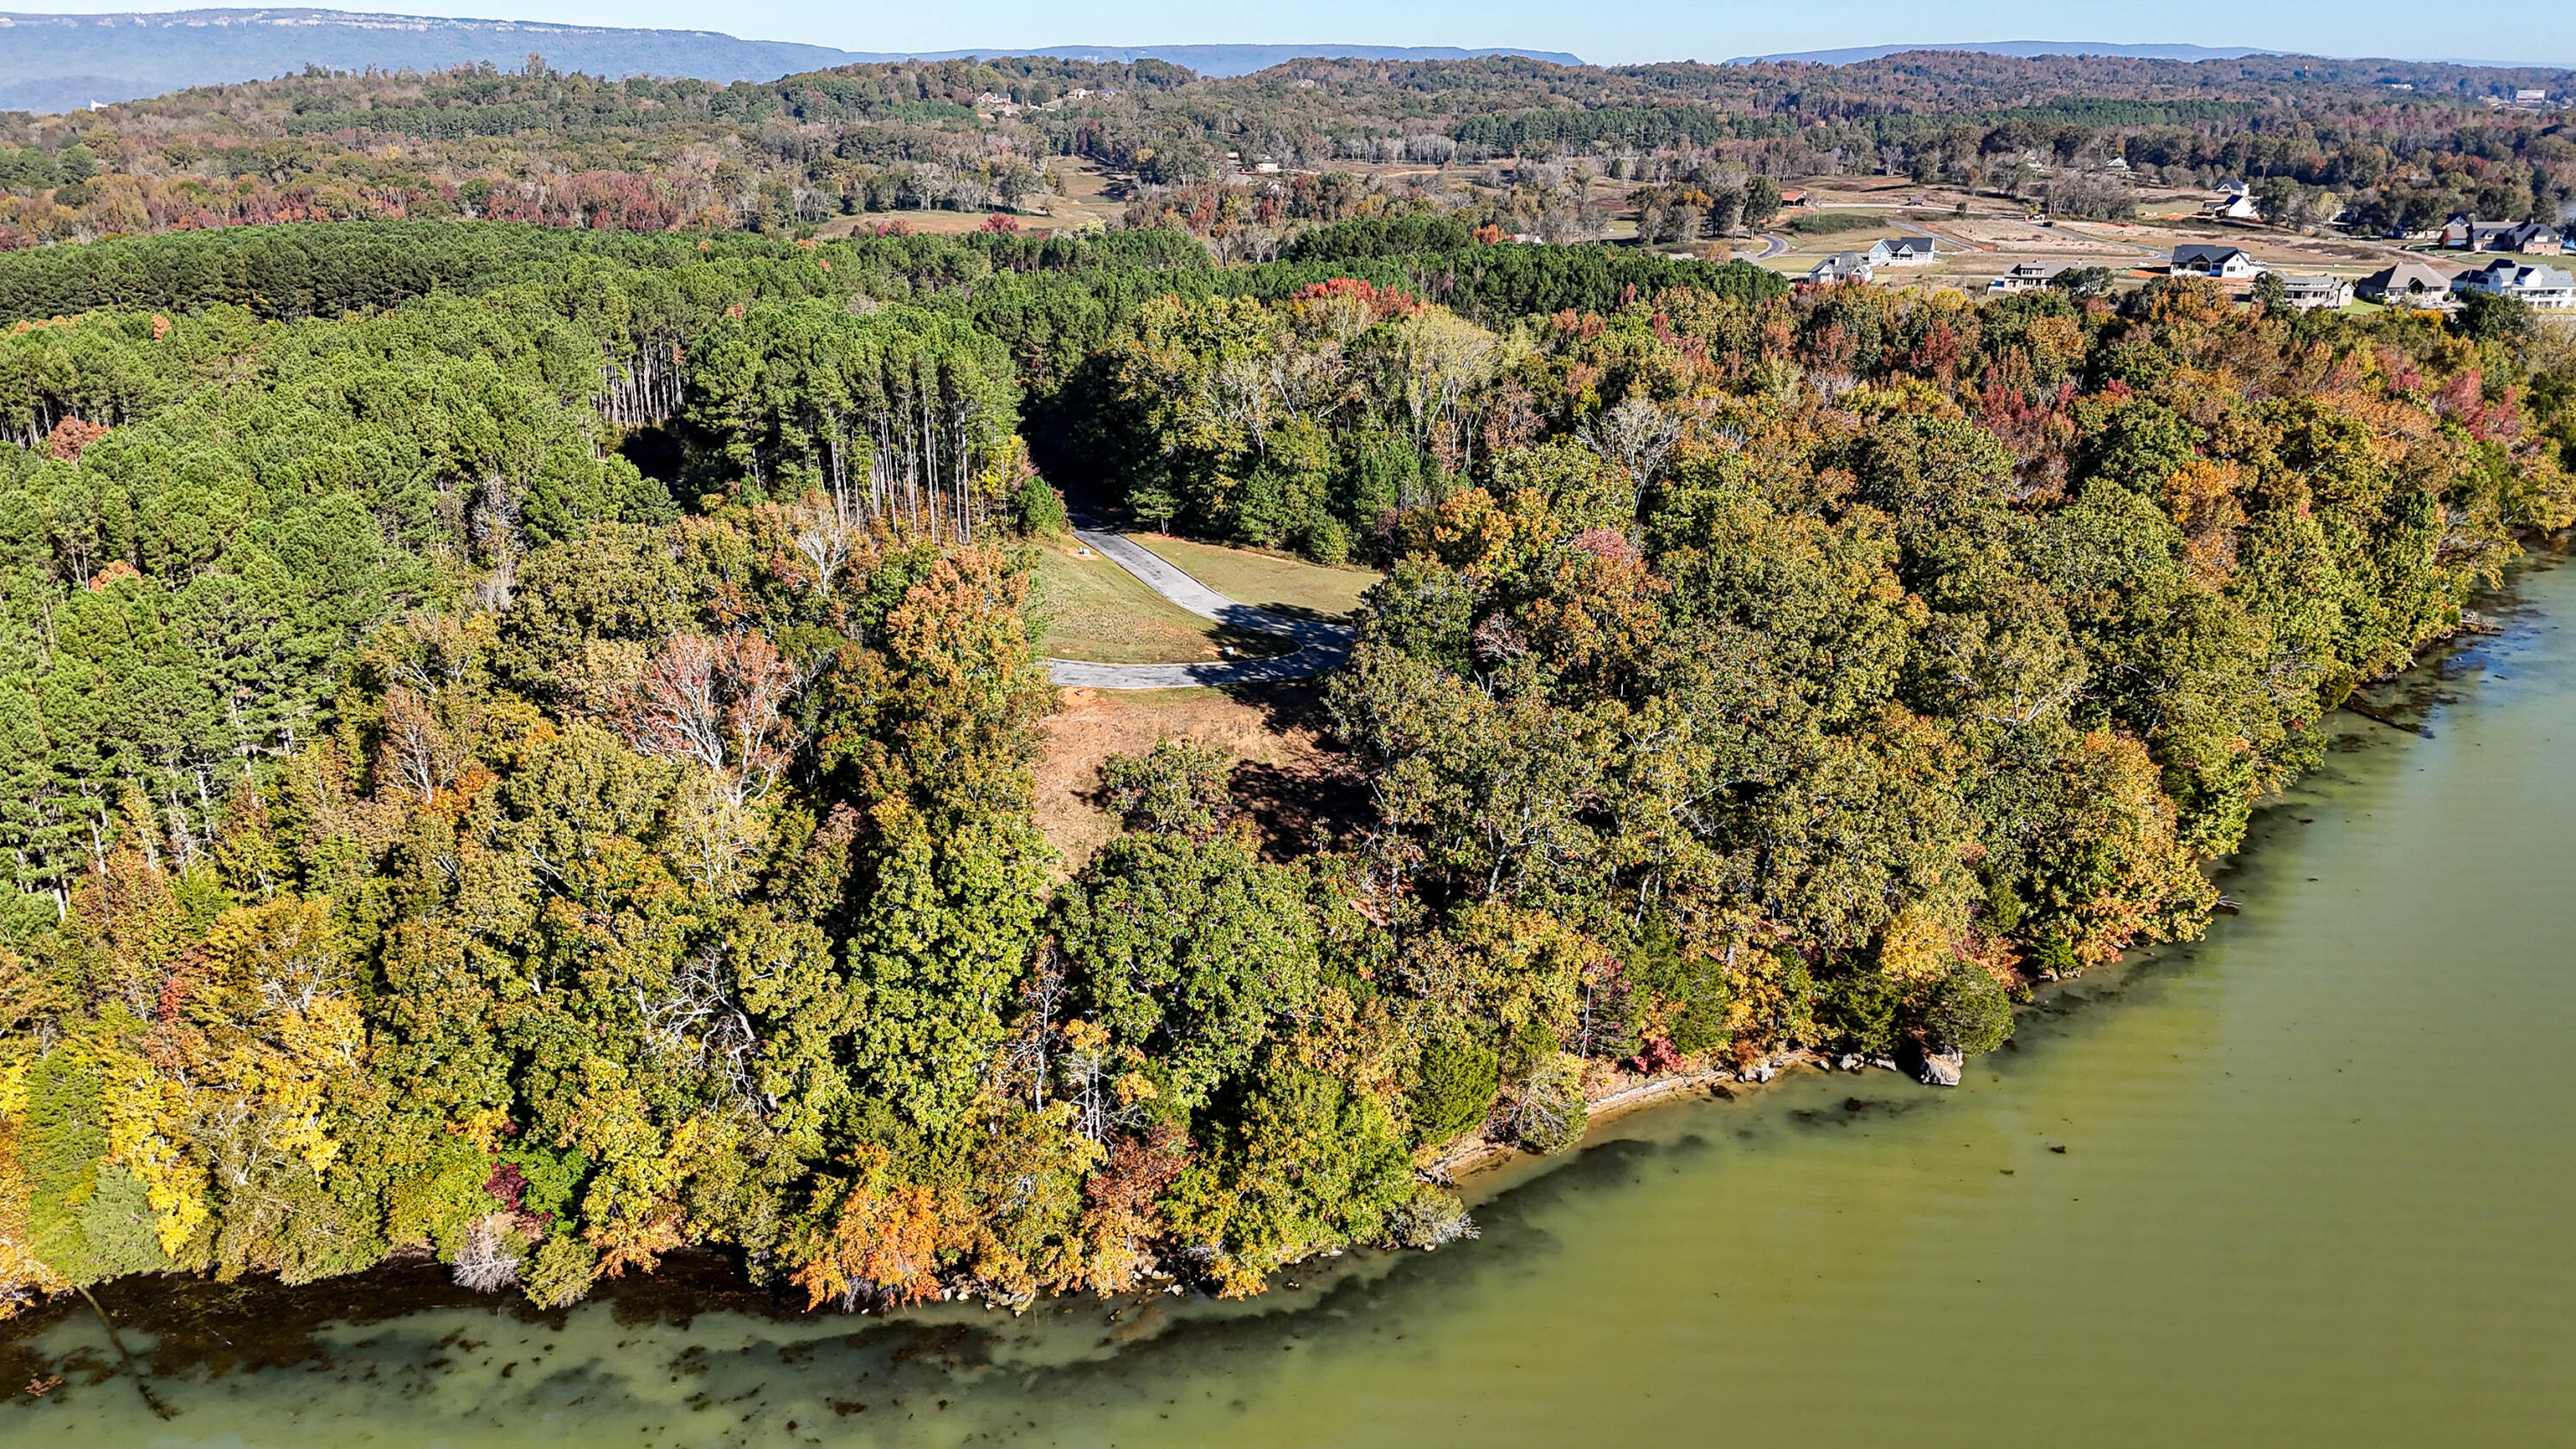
[(1479, 1154)]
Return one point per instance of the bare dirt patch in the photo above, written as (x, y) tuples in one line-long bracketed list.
[(1294, 781), (914, 223)]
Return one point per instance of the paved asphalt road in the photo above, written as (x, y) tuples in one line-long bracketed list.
[(1320, 646)]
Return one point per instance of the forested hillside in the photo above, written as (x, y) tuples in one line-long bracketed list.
[(1496, 141), (516, 745)]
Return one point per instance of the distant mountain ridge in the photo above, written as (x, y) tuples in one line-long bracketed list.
[(62, 62), (1224, 60), (2027, 49), (1853, 55)]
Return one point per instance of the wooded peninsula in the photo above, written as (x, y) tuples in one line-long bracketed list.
[(518, 743)]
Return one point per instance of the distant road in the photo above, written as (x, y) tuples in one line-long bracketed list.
[(1320, 645)]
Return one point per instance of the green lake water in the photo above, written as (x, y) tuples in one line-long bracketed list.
[(2316, 1186)]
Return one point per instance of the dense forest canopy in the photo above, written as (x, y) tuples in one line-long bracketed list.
[(518, 747), (518, 661)]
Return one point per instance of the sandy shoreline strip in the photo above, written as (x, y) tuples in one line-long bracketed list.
[(1479, 1155)]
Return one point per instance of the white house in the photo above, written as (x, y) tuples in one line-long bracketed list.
[(2231, 206), (1840, 267), (2543, 287), (1902, 251), (2204, 259), (2310, 291)]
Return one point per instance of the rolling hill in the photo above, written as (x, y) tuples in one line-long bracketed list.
[(63, 62)]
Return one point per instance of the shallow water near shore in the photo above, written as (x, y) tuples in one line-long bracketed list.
[(2305, 1182)]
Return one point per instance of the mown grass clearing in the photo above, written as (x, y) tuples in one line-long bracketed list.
[(1099, 612), (1835, 223), (1271, 581)]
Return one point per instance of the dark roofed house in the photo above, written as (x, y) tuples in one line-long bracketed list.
[(2205, 259), (2537, 238), (2461, 233), (2467, 234), (2026, 276), (1903, 251)]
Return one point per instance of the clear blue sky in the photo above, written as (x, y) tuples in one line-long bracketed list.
[(2532, 31)]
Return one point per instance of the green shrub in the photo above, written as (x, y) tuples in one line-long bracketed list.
[(1695, 983), (1178, 788), (1325, 540), (1037, 511), (1969, 1013), (1859, 1013), (1454, 1091)]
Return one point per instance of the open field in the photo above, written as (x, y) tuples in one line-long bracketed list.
[(1097, 611), (1085, 201), (1271, 581), (914, 222), (1815, 226), (1289, 783), (1995, 233), (1085, 204)]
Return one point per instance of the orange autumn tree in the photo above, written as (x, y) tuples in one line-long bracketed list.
[(876, 1236)]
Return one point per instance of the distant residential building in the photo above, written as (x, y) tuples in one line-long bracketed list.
[(1902, 251), (2537, 238), (2468, 234), (2026, 276), (2204, 259), (1793, 197), (2231, 206), (1840, 267), (2460, 233), (2544, 287), (2535, 100), (2312, 290), (2407, 284)]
